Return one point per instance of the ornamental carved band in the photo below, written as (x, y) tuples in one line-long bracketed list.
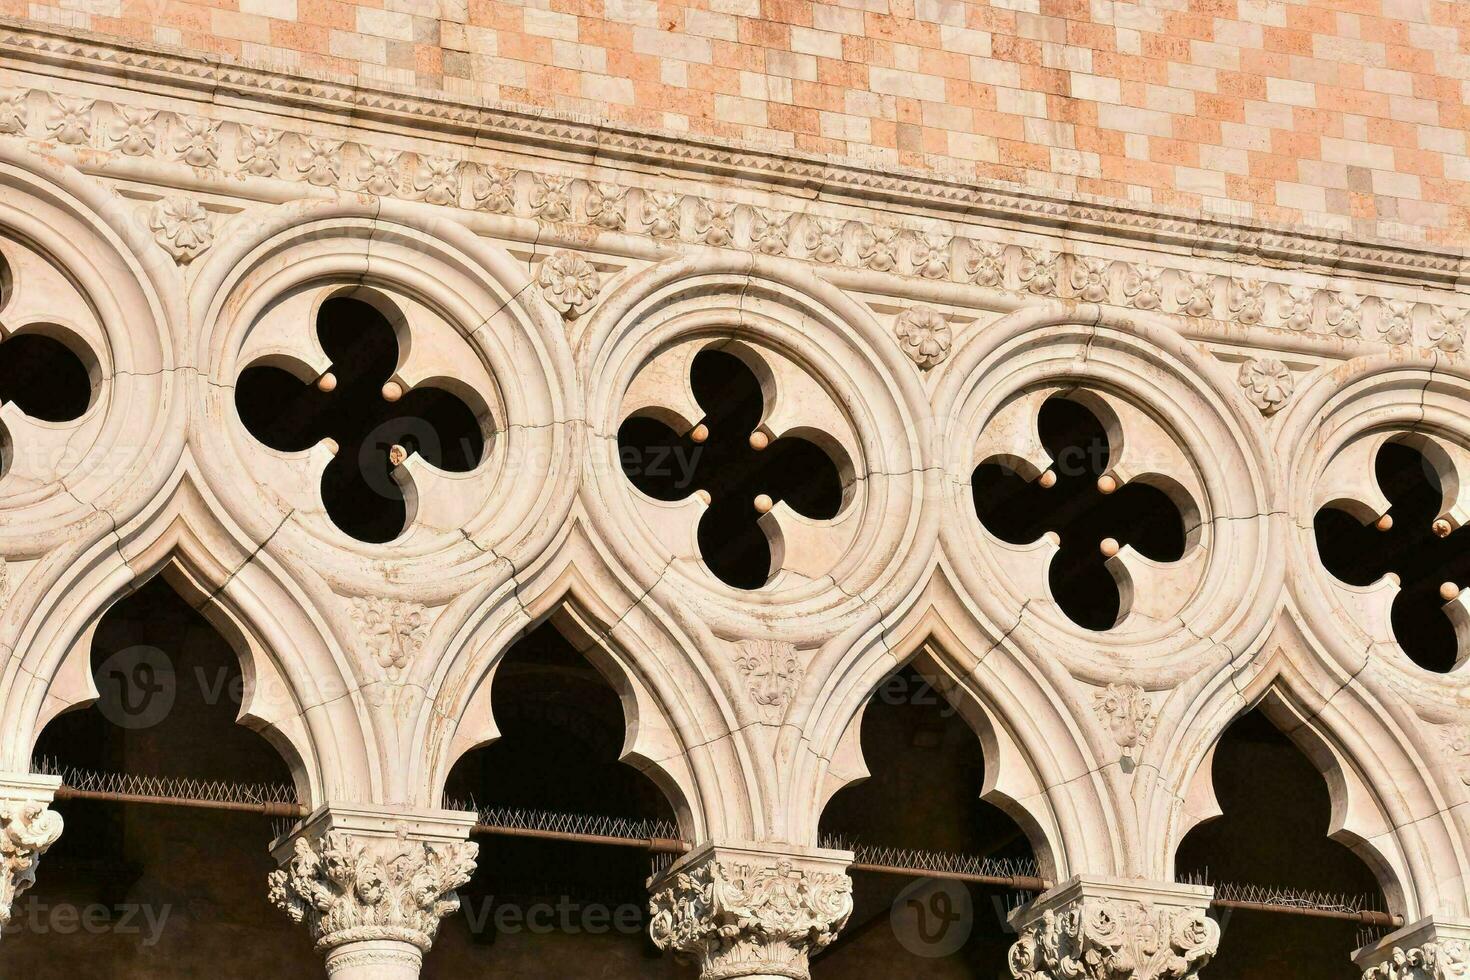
[(1105, 939), (27, 830), (383, 889), (741, 920), (1447, 959)]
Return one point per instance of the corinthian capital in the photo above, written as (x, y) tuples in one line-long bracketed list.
[(746, 912), (364, 877), (27, 830), (1431, 949), (1112, 929)]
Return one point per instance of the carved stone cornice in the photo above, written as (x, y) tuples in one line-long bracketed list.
[(146, 67), (356, 877), (27, 830), (744, 912), (1111, 929), (1430, 949)]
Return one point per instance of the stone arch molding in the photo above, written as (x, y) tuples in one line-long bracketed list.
[(300, 690), (831, 373), (457, 305), (84, 273), (681, 727), (1384, 773), (1040, 767), (1174, 422)]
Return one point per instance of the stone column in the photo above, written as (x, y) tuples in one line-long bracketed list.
[(1435, 948), (756, 911), (27, 829), (1113, 928), (372, 884)]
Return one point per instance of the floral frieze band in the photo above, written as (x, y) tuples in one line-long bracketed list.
[(1273, 299)]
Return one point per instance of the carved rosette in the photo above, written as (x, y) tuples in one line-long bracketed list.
[(181, 225), (741, 914), (924, 335), (1267, 383), (27, 830), (1112, 939), (569, 282), (350, 889)]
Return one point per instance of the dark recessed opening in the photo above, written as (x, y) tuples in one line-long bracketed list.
[(562, 731), (927, 773), (358, 487), (1360, 555), (669, 465), (44, 377), (1274, 833), (158, 891), (1021, 511)]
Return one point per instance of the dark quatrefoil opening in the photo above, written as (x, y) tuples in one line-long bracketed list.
[(727, 456), (42, 375), (1428, 560), (1085, 511), (375, 424)]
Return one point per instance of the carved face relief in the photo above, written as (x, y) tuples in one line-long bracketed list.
[(1128, 714), (773, 672)]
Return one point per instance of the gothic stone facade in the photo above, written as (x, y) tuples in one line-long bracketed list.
[(1250, 339)]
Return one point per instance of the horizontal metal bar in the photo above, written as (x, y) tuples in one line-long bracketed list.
[(294, 811), (653, 845), (1367, 917), (663, 845), (1019, 883)]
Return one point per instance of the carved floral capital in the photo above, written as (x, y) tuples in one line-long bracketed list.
[(351, 889), (1447, 959), (27, 830), (745, 915), (1115, 939)]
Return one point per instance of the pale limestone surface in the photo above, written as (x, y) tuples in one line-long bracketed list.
[(172, 238)]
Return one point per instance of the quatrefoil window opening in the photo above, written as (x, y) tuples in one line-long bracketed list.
[(39, 372), (374, 423), (1082, 504), (741, 469), (1430, 563)]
